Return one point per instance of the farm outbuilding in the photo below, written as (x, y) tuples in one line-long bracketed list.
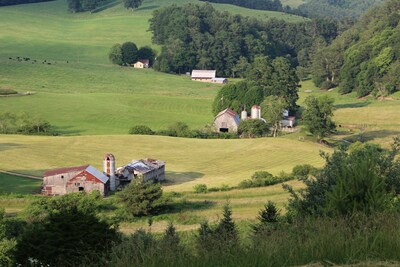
[(74, 179), (227, 121), (143, 169), (203, 75), (219, 80)]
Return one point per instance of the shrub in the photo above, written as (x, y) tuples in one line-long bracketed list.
[(200, 188), (7, 91), (263, 178), (358, 180), (252, 128), (141, 129), (303, 171), (142, 199)]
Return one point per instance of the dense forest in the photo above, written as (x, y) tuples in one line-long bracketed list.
[(18, 2), (85, 5), (198, 36), (366, 58)]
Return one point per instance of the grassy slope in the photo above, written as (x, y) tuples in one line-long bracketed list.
[(15, 184), (46, 31), (189, 161)]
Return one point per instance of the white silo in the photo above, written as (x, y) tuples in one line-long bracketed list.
[(256, 112), (243, 115), (109, 169)]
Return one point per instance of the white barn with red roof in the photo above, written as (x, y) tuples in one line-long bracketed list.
[(74, 179), (227, 121)]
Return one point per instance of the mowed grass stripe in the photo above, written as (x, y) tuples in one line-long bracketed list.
[(189, 161)]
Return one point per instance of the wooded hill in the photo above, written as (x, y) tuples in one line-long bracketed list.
[(365, 58), (336, 9)]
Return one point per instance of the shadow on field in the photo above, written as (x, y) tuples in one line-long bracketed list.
[(182, 177), (9, 146), (369, 136), (353, 105), (148, 7), (66, 130), (186, 205)]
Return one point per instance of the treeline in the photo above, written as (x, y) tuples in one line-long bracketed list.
[(273, 5), (200, 37), (19, 2), (361, 62), (11, 123), (85, 5)]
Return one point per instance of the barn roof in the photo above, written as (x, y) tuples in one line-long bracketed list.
[(228, 111), (96, 173), (142, 165), (204, 74), (65, 170), (231, 113)]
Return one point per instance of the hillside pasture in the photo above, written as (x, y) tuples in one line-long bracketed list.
[(361, 119), (188, 161)]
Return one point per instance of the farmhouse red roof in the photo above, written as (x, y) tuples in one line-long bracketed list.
[(65, 170), (144, 61)]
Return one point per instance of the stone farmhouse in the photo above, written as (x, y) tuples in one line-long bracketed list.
[(87, 178), (142, 64)]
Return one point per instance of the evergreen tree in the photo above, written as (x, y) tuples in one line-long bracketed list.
[(142, 199)]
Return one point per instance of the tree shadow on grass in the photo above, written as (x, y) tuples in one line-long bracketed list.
[(353, 105), (9, 146), (371, 135), (66, 130), (152, 7), (174, 178)]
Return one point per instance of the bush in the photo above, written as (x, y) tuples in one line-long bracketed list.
[(303, 171), (263, 178), (142, 199), (200, 188), (7, 91), (141, 129), (357, 180), (252, 128)]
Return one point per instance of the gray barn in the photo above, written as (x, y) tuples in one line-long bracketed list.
[(227, 121)]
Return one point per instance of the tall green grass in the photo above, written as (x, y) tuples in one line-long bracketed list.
[(324, 240)]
